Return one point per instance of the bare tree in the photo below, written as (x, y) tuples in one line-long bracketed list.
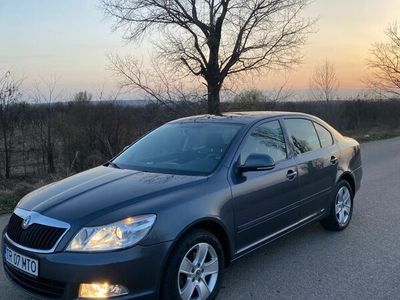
[(82, 97), (250, 97), (324, 82), (165, 88), (385, 63), (9, 96), (215, 39), (47, 96)]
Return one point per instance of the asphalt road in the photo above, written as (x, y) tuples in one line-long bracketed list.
[(362, 262)]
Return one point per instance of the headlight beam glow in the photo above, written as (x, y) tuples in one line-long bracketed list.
[(118, 235)]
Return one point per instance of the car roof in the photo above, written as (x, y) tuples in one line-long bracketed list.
[(244, 117)]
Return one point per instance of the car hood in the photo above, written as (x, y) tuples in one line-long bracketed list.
[(100, 191)]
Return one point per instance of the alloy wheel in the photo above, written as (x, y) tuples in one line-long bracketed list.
[(198, 272), (343, 205)]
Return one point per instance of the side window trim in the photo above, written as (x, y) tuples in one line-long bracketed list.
[(316, 131), (289, 151)]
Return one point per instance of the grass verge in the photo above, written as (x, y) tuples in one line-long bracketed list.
[(374, 135), (8, 203), (12, 190)]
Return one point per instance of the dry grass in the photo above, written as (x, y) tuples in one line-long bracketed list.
[(374, 135), (12, 190), (8, 201)]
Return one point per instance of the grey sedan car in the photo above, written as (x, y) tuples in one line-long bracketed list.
[(164, 218)]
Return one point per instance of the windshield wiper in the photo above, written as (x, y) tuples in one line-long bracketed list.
[(113, 164)]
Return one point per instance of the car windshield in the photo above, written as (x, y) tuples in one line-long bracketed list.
[(180, 148)]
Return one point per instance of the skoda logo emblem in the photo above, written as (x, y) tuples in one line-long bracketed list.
[(27, 222)]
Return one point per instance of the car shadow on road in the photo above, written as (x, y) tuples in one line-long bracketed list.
[(273, 271)]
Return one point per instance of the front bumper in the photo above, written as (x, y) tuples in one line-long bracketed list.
[(138, 268)]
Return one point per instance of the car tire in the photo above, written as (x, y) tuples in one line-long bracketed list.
[(341, 209), (177, 284)]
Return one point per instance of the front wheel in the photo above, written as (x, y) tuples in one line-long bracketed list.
[(195, 269), (341, 209)]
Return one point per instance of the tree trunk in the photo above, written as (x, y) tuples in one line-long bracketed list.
[(50, 160), (213, 76), (6, 148), (213, 99), (7, 157), (49, 146)]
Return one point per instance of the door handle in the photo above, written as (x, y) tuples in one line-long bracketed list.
[(291, 174), (334, 160)]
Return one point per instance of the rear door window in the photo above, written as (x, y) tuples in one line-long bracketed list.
[(303, 135)]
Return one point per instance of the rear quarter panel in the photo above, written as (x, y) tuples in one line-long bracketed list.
[(350, 160)]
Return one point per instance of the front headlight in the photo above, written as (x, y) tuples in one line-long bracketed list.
[(118, 235)]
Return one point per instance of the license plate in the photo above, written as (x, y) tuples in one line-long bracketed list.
[(21, 262)]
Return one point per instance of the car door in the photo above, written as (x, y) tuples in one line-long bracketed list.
[(316, 158), (264, 201)]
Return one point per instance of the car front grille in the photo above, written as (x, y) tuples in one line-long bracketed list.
[(38, 286), (36, 236)]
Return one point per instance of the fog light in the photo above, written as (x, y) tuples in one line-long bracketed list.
[(101, 290)]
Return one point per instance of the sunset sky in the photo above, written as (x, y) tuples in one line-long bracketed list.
[(70, 39)]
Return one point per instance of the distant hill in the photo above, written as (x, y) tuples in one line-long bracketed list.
[(126, 102)]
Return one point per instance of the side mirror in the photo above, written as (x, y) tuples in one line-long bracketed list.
[(257, 162)]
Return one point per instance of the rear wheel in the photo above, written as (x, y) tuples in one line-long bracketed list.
[(341, 209), (195, 269)]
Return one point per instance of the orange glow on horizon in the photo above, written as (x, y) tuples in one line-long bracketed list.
[(344, 34)]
